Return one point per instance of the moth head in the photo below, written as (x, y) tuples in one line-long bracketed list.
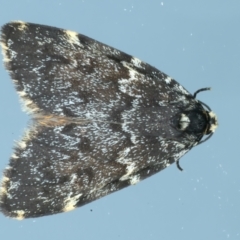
[(199, 120), (211, 118), (212, 122)]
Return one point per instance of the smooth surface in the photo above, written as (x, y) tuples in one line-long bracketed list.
[(198, 44)]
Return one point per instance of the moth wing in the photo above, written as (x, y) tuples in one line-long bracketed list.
[(56, 169), (65, 73)]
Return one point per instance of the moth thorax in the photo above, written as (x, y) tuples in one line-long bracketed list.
[(195, 121)]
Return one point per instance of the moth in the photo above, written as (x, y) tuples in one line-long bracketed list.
[(101, 120)]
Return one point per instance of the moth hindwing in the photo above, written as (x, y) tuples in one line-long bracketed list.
[(102, 120)]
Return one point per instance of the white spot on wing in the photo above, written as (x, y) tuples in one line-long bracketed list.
[(72, 37), (136, 62), (3, 189), (70, 202), (20, 214), (22, 144), (168, 164), (22, 93), (181, 89), (14, 156), (13, 185), (168, 80), (73, 178), (28, 105), (129, 170), (128, 86), (134, 179), (4, 52), (22, 25)]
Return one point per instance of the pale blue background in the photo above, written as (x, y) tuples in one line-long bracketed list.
[(197, 43)]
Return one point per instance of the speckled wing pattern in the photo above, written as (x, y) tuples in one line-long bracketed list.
[(102, 120)]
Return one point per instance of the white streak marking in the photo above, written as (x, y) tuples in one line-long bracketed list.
[(20, 214), (22, 144), (70, 202), (214, 125), (136, 62), (22, 93), (14, 156), (22, 26), (134, 179), (4, 52), (129, 170), (73, 37)]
